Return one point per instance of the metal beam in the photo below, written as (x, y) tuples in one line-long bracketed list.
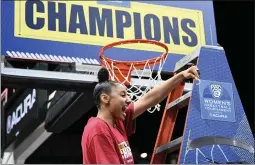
[(26, 78), (67, 81), (30, 144)]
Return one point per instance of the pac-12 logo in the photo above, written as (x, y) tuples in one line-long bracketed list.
[(216, 90)]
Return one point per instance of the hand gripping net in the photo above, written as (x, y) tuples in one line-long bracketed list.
[(121, 71)]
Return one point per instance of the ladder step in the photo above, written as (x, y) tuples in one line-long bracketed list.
[(180, 102), (168, 122), (170, 147), (191, 58), (188, 87)]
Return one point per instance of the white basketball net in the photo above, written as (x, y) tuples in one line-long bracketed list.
[(136, 91)]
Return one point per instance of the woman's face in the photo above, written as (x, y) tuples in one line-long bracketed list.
[(119, 101)]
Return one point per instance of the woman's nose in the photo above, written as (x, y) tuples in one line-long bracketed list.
[(128, 100)]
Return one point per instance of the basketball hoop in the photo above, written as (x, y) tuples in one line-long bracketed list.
[(121, 71)]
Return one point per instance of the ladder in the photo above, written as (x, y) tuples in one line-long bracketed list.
[(176, 100)]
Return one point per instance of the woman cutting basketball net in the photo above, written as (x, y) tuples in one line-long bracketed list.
[(105, 137)]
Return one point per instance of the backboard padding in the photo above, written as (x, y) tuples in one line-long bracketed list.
[(213, 66)]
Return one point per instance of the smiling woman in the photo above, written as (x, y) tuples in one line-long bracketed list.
[(116, 116), (105, 137)]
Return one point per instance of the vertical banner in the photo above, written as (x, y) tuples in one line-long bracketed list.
[(20, 113), (21, 117)]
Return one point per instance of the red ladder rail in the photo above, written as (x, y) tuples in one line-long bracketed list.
[(167, 125)]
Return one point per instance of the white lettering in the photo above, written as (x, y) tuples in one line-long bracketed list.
[(220, 116), (213, 101), (18, 114), (27, 103), (21, 111)]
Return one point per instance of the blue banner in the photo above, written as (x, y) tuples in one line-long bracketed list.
[(115, 3), (74, 31), (216, 101)]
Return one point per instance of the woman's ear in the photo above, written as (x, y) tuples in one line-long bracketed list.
[(105, 98)]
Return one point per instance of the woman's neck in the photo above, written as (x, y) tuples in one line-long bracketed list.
[(105, 115)]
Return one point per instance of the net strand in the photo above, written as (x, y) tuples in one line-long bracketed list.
[(198, 151)]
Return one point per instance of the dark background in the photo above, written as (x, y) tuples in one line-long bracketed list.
[(235, 33)]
